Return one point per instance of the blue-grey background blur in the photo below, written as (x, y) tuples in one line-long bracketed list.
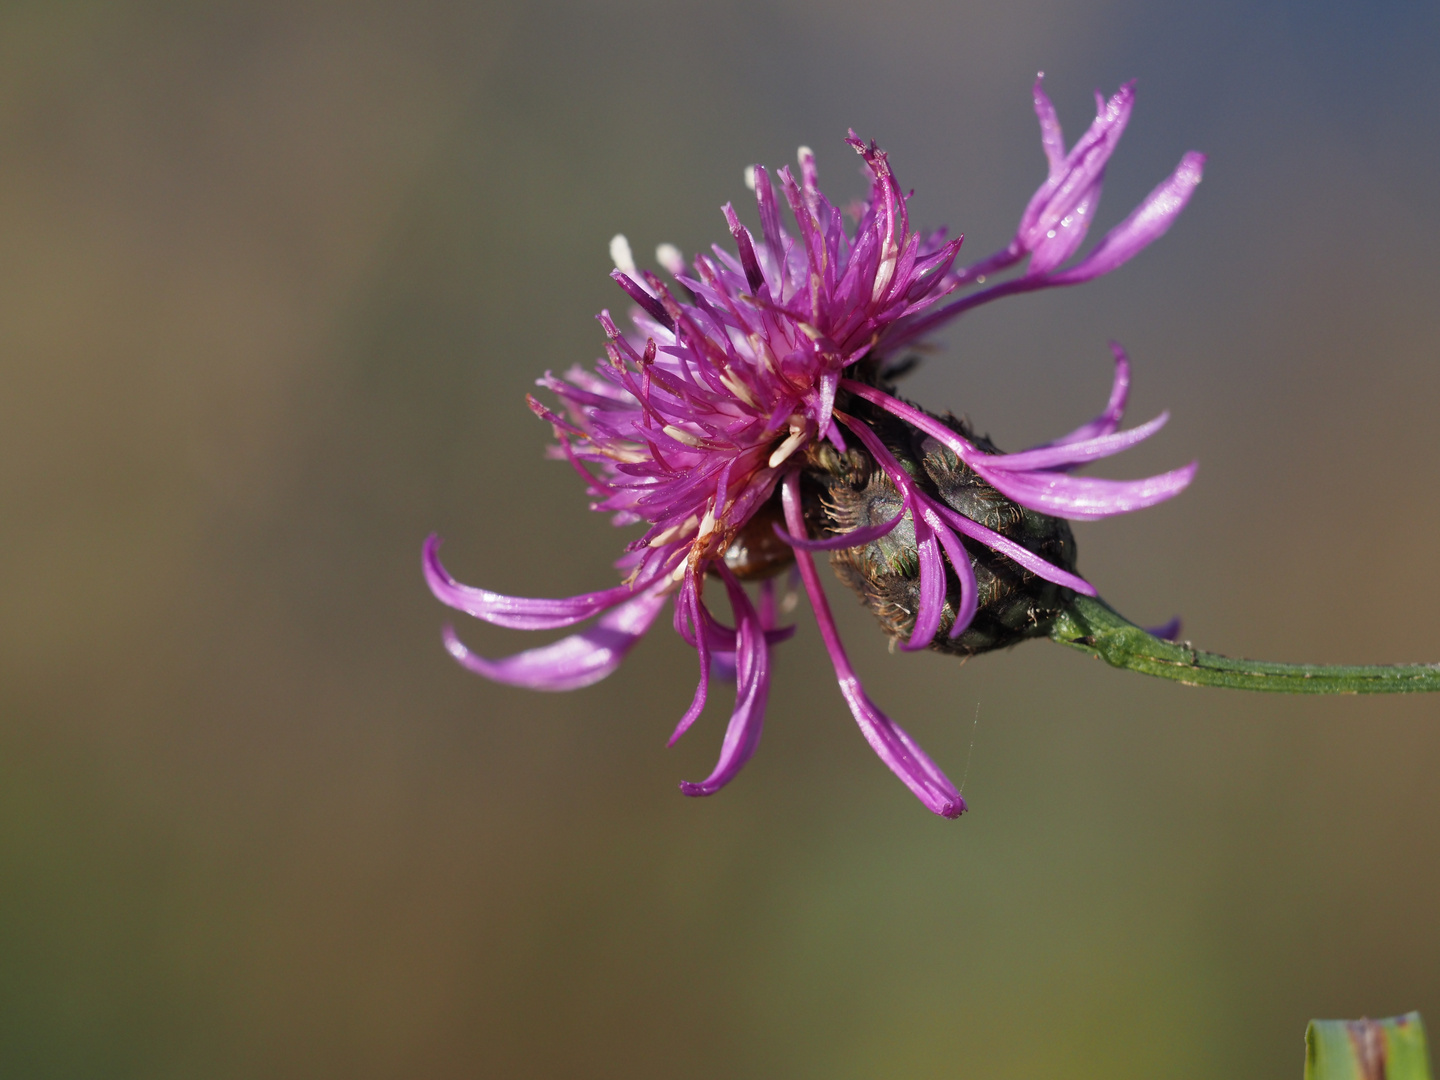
[(275, 280)]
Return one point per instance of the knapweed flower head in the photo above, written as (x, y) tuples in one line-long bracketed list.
[(747, 419)]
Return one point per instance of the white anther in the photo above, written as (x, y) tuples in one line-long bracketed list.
[(668, 256), (707, 524), (798, 430), (680, 435), (738, 388), (804, 154), (750, 177), (621, 257), (675, 532)]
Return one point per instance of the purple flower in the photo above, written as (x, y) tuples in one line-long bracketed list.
[(697, 420)]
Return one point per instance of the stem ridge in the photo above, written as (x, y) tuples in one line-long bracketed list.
[(1091, 625)]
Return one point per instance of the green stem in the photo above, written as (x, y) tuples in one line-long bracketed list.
[(1094, 627)]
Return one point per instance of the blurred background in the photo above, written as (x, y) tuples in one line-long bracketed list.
[(275, 280)]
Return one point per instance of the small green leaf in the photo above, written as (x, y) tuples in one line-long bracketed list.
[(1392, 1049)]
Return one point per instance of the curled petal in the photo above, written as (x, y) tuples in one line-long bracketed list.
[(1083, 498), (515, 612), (722, 661), (1078, 452), (690, 607), (1077, 497), (752, 672), (932, 587), (960, 560), (1147, 223), (866, 534), (1015, 552), (1109, 420), (894, 747), (572, 662)]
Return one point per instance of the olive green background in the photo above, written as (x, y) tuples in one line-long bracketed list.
[(274, 280)]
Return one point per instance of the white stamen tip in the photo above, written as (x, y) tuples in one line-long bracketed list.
[(750, 177), (668, 256), (620, 254), (788, 447), (804, 154)]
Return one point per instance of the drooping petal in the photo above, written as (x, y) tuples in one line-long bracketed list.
[(689, 606), (572, 662), (516, 612), (932, 587), (1084, 498), (889, 741), (960, 560), (1014, 552), (1080, 498), (752, 688)]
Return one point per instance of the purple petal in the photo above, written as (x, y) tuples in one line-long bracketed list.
[(1083, 498), (515, 612), (752, 671), (1014, 552), (932, 587), (722, 661), (637, 293), (1076, 497), (1078, 452), (1168, 632), (1052, 139), (894, 747), (689, 605), (1076, 184), (1147, 223), (960, 560), (747, 251), (866, 534), (1064, 237), (1109, 420), (572, 662)]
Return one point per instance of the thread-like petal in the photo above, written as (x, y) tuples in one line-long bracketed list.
[(752, 688), (1084, 498), (1014, 552), (889, 741), (516, 612), (1076, 452), (1109, 420), (866, 534), (932, 587), (1079, 498), (572, 662), (960, 560), (689, 605)]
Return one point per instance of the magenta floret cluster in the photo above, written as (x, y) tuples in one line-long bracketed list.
[(696, 416)]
